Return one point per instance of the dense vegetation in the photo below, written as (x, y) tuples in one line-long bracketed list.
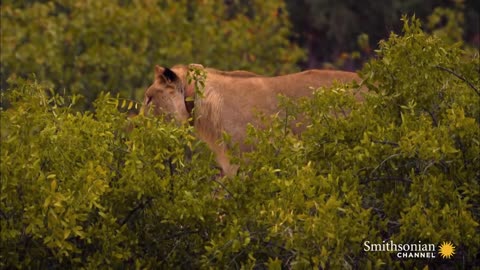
[(98, 189), (90, 46)]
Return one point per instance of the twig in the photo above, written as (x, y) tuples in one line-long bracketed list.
[(140, 206), (3, 215), (223, 186), (173, 249), (462, 148), (460, 77), (171, 166), (434, 119), (392, 178), (383, 162), (180, 234), (387, 143)]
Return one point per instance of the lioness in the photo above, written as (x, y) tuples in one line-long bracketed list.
[(230, 101)]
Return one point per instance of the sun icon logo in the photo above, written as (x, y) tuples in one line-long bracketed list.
[(447, 249)]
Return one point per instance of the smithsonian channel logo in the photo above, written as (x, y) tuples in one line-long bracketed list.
[(412, 251)]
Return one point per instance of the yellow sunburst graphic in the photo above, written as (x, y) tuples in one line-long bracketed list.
[(447, 249)]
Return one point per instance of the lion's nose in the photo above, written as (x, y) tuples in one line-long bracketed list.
[(146, 105), (148, 100)]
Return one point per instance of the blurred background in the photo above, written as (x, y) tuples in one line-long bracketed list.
[(86, 47), (331, 30)]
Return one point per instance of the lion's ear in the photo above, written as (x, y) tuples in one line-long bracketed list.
[(158, 70), (170, 75), (165, 74)]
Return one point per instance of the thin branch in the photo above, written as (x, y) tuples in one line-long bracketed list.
[(387, 143), (3, 215), (180, 234), (171, 167), (224, 187), (389, 178), (140, 206), (430, 164), (383, 162), (460, 77), (285, 126), (394, 223), (434, 119), (462, 147), (344, 112)]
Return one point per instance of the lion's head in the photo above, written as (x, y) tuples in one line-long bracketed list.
[(166, 95)]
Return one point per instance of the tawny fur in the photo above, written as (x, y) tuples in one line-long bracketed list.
[(232, 99)]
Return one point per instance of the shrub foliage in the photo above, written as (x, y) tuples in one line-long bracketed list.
[(88, 46), (102, 190)]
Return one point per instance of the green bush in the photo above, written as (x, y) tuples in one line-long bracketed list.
[(102, 190), (77, 190), (89, 46)]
